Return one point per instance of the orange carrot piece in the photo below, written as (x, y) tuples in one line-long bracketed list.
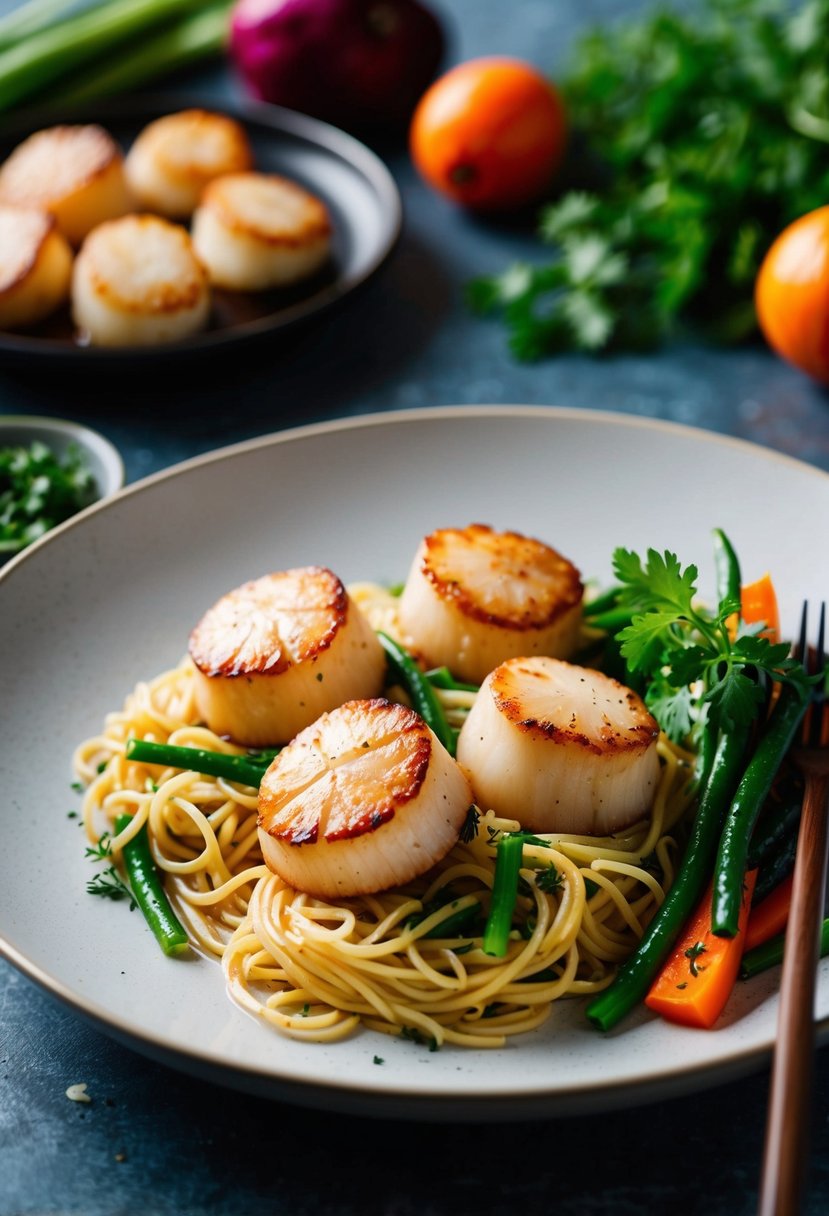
[(770, 916), (758, 603), (696, 981)]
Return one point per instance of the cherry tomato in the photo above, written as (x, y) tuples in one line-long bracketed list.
[(489, 134), (792, 294)]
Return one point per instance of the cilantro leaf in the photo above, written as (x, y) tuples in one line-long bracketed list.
[(693, 666)]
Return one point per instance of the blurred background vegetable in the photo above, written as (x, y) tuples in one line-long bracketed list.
[(705, 136), (489, 134), (792, 294), (361, 64), (57, 51)]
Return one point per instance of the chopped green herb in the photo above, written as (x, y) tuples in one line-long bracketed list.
[(693, 953), (548, 880), (39, 490), (378, 1060), (469, 829), (109, 884), (102, 849)]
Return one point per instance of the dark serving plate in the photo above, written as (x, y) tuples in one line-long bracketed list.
[(353, 182)]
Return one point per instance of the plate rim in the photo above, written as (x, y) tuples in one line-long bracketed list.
[(413, 1100), (144, 107)]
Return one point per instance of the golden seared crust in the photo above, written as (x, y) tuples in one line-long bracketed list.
[(528, 585), (268, 208), (141, 264), (345, 775), (23, 234), (271, 623), (562, 703), (55, 162), (194, 146)]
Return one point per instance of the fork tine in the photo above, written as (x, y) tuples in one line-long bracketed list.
[(819, 694), (802, 648)]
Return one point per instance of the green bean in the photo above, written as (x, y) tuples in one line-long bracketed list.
[(246, 770), (148, 892), (603, 602), (510, 850), (637, 973), (613, 620), (777, 822), (727, 568), (732, 853), (405, 671), (770, 953), (775, 868), (441, 677)]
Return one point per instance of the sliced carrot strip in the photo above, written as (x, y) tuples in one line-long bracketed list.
[(696, 981), (771, 916), (758, 604)]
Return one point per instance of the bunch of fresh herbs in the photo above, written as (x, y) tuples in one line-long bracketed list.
[(705, 131)]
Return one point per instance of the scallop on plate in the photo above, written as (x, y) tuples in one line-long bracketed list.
[(90, 167), (110, 600)]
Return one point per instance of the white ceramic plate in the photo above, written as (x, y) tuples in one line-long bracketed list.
[(109, 598)]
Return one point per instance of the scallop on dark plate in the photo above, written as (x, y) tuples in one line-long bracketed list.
[(347, 176)]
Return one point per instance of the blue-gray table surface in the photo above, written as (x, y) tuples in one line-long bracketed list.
[(155, 1140)]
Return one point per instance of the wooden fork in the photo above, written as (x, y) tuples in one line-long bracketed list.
[(787, 1129)]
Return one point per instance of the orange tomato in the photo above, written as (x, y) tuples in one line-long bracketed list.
[(489, 134), (792, 294)]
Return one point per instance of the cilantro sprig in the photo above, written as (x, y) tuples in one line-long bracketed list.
[(694, 662), (706, 134)]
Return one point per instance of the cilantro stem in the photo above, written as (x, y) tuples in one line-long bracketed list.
[(148, 891), (247, 770), (510, 851)]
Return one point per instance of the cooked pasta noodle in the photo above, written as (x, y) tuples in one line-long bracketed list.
[(317, 970)]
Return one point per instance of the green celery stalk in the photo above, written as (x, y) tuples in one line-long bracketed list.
[(37, 15), (197, 36), (35, 63)]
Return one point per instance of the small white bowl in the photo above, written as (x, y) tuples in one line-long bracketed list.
[(100, 456)]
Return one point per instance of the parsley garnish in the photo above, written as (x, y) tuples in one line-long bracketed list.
[(548, 880), (693, 953), (110, 885), (706, 135), (102, 849), (692, 662)]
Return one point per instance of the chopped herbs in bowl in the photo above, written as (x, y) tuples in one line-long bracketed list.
[(49, 470)]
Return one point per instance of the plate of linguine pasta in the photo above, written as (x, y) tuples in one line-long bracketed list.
[(299, 958)]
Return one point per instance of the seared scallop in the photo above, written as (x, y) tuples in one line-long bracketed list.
[(174, 158), (560, 748), (74, 172), (35, 266), (277, 652), (364, 799), (137, 282), (255, 231), (475, 597)]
